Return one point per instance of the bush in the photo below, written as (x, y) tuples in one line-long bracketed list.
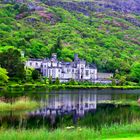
[(15, 87), (29, 86), (40, 86)]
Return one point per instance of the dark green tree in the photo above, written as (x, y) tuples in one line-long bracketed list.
[(50, 80), (11, 61), (57, 48), (57, 82), (35, 75)]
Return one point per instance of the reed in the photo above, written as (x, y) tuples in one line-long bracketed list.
[(19, 105), (129, 131)]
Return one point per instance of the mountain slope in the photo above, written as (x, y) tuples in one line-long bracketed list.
[(98, 31)]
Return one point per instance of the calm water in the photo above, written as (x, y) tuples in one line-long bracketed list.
[(89, 108)]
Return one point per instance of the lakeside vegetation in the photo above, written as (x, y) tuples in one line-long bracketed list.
[(26, 87), (129, 131), (120, 102), (19, 105), (42, 87)]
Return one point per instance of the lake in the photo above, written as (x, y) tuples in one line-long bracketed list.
[(62, 108)]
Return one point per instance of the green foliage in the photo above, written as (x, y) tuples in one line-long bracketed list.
[(115, 131), (11, 61), (50, 80), (46, 80), (35, 75), (20, 105), (72, 82), (29, 86), (57, 82), (28, 72), (3, 75), (57, 48), (135, 72), (112, 42), (122, 80)]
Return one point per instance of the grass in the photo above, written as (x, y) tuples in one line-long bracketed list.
[(128, 131), (120, 102), (20, 105), (63, 86), (101, 87)]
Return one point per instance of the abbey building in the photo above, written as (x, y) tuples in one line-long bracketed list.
[(78, 70)]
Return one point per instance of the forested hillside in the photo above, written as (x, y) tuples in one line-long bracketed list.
[(104, 32)]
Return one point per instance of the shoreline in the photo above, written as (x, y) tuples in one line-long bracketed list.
[(25, 87)]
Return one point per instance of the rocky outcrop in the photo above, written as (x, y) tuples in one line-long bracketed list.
[(101, 6), (88, 8), (125, 6)]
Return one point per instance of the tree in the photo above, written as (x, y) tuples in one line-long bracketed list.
[(11, 61), (135, 72), (35, 75), (72, 82), (29, 74), (122, 80), (57, 47), (50, 80), (57, 82), (3, 75), (46, 80)]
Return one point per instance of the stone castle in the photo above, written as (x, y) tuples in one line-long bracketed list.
[(78, 70)]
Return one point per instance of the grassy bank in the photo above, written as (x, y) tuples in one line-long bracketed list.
[(129, 131), (20, 105), (23, 87)]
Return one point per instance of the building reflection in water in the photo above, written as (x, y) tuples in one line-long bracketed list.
[(76, 104)]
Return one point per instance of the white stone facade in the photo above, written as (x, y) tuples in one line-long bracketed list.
[(78, 70)]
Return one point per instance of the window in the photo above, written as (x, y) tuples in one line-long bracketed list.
[(63, 71), (72, 70), (68, 70), (36, 64), (30, 63), (87, 72), (49, 72)]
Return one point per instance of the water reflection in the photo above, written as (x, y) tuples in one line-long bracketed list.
[(63, 108), (57, 104)]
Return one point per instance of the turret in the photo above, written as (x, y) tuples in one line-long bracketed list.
[(54, 56)]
